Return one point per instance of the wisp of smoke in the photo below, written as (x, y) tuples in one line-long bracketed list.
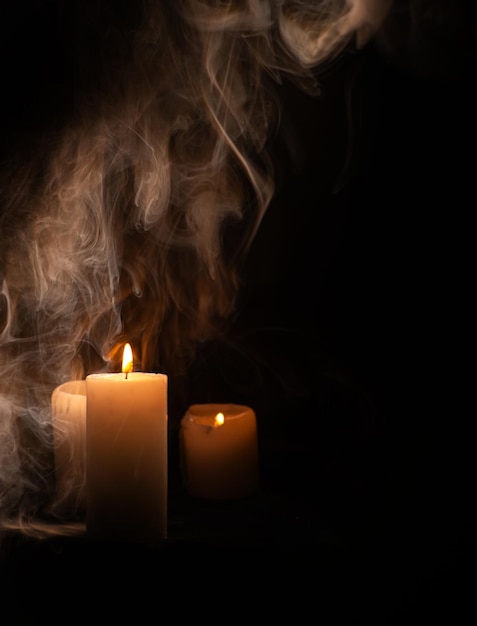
[(131, 221)]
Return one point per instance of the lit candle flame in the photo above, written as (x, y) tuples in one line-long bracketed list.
[(219, 419), (127, 359)]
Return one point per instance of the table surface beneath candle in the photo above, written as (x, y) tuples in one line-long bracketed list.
[(276, 552)]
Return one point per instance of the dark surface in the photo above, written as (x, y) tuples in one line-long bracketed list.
[(273, 556), (353, 345)]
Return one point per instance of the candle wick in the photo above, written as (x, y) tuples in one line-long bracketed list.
[(126, 375)]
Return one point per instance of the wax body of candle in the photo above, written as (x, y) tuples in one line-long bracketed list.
[(219, 461), (126, 456), (68, 408)]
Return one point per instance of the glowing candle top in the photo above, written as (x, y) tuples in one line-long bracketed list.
[(219, 419)]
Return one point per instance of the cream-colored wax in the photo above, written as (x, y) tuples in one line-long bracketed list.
[(126, 456), (219, 461), (68, 407)]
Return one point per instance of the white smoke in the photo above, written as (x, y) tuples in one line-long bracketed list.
[(132, 220)]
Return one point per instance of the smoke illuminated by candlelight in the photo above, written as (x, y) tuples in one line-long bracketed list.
[(163, 151)]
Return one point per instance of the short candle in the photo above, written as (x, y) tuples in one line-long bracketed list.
[(68, 408), (219, 451)]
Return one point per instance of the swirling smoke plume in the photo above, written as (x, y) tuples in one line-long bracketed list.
[(129, 218)]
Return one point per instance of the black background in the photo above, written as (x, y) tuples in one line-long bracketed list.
[(353, 339)]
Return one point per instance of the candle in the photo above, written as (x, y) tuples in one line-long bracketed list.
[(126, 455), (219, 451), (68, 408)]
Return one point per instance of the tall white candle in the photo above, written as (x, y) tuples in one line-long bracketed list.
[(219, 451), (68, 408), (126, 456)]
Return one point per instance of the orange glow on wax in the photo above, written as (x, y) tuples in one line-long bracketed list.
[(219, 419), (127, 360)]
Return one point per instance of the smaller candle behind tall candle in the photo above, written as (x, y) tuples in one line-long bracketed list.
[(219, 459), (68, 407)]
